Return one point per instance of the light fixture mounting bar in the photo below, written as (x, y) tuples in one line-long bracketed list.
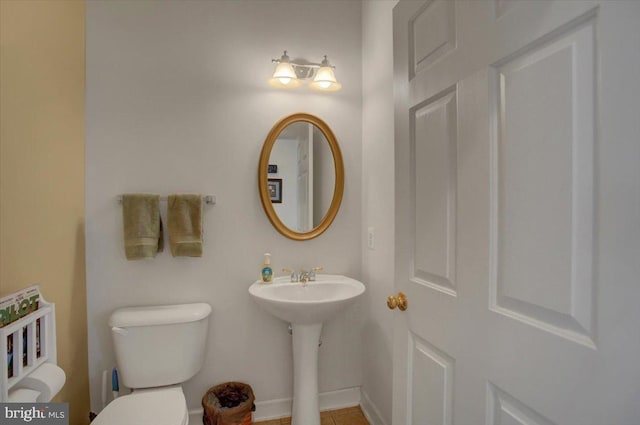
[(303, 65)]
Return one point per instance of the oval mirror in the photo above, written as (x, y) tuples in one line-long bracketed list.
[(301, 176)]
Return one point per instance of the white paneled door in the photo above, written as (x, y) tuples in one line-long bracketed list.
[(518, 212)]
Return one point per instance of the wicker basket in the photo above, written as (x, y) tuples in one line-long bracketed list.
[(248, 420), (216, 414)]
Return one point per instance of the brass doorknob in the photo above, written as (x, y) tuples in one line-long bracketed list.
[(399, 301)]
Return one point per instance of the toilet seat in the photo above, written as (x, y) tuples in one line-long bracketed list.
[(165, 406)]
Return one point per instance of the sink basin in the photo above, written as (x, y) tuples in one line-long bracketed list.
[(306, 306), (313, 302)]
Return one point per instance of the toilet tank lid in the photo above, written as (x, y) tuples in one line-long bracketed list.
[(159, 315)]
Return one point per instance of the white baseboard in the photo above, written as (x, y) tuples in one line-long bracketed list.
[(340, 399), (281, 408), (370, 410)]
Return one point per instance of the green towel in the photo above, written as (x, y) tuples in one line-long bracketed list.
[(142, 225), (184, 224)]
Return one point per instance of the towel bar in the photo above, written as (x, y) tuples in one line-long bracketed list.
[(208, 199)]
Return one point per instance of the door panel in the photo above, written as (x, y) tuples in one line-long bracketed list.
[(502, 409), (543, 106), (517, 205), (432, 34), (434, 178), (431, 372)]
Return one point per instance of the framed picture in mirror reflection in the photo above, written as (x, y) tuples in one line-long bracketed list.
[(275, 190)]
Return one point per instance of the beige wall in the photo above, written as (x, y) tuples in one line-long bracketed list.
[(42, 171)]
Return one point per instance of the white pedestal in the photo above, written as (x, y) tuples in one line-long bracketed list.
[(305, 374)]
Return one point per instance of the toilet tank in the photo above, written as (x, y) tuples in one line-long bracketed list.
[(159, 345)]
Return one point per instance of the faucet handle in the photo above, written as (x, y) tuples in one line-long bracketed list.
[(312, 274), (292, 274)]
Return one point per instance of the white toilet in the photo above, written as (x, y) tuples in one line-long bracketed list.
[(157, 348)]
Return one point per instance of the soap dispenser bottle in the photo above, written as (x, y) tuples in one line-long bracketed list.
[(267, 271)]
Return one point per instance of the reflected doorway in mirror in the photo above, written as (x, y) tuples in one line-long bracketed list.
[(275, 190)]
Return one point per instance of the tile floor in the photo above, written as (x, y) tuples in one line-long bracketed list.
[(348, 416)]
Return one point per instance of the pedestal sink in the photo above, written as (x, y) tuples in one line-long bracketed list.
[(306, 306)]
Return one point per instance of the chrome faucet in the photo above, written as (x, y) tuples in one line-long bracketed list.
[(303, 276)]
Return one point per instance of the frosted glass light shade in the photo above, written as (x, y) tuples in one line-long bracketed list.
[(325, 80), (284, 76)]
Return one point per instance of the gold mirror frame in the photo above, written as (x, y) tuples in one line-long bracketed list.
[(263, 176)]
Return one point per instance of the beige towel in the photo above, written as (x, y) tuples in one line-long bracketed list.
[(184, 223), (142, 225)]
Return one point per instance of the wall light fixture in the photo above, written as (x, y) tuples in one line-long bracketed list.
[(290, 74)]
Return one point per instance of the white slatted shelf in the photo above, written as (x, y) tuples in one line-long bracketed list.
[(46, 314)]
